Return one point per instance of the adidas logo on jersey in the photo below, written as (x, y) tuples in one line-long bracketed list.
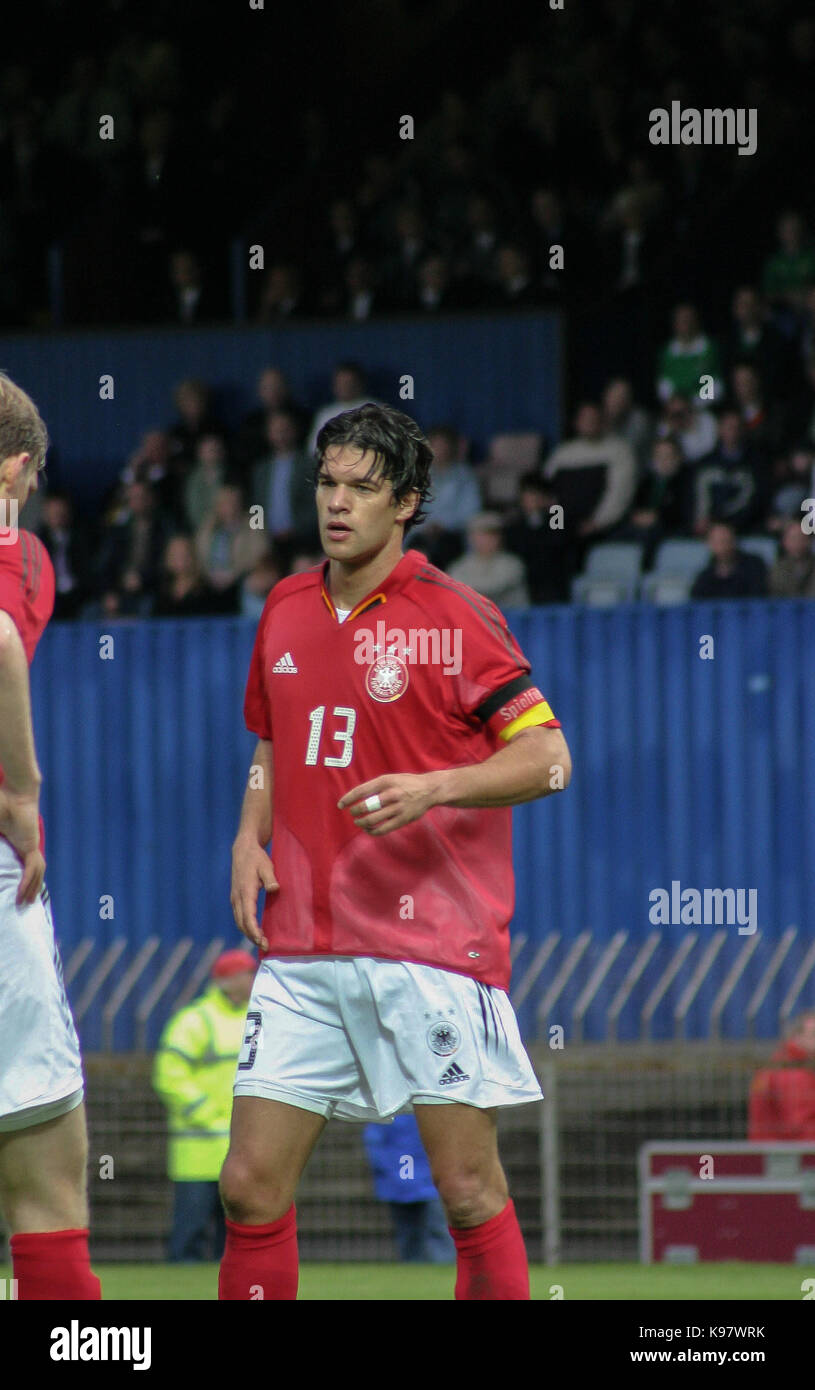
[(453, 1075), (285, 665)]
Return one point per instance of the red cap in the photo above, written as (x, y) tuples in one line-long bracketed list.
[(233, 963)]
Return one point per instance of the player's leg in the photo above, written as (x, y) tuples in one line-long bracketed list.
[(462, 1145), (44, 1200), (43, 1137), (269, 1146)]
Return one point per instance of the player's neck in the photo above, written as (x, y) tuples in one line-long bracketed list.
[(349, 584)]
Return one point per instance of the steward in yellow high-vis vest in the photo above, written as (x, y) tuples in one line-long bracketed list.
[(194, 1070)]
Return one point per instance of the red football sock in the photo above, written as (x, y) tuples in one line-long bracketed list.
[(491, 1260), (260, 1261), (53, 1264)]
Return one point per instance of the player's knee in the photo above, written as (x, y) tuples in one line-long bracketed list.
[(250, 1196), (470, 1197)]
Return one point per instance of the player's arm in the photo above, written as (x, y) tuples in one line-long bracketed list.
[(20, 792), (532, 764), (252, 868)]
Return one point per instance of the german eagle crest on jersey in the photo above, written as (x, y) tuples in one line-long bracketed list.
[(387, 678), (443, 1038)]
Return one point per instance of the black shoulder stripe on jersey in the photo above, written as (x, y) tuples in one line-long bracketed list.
[(493, 702), (38, 554), (24, 560), (425, 577)]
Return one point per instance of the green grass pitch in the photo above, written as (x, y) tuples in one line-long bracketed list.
[(414, 1283)]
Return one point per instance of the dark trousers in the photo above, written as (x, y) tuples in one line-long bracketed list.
[(198, 1231), (421, 1233)]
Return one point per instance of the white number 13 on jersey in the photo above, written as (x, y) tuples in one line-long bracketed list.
[(344, 736)]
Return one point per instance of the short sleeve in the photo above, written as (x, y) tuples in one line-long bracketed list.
[(11, 587), (495, 683), (256, 711)]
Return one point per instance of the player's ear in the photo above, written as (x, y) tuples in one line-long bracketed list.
[(408, 506)]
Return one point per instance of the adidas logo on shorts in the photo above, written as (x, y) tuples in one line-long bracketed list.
[(285, 665), (453, 1075)]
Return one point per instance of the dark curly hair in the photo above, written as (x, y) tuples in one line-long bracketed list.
[(397, 442)]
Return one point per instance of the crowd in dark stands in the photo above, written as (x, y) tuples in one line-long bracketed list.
[(530, 183), (205, 521), (143, 156)]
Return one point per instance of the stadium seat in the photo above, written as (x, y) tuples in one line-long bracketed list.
[(765, 547), (665, 589), (601, 593), (611, 574), (509, 456), (681, 557)]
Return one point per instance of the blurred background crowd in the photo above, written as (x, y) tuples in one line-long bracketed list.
[(697, 264)]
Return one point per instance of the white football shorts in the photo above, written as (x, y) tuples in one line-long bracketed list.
[(40, 1067), (363, 1039)]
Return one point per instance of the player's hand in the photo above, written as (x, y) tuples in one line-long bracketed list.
[(252, 869), (404, 797), (20, 823)]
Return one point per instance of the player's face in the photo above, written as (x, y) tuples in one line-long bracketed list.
[(356, 510)]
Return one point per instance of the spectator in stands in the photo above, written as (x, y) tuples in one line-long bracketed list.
[(488, 567), (282, 296), (694, 429), (131, 555), (204, 480), (272, 393), (455, 499), (343, 244), (662, 504), (515, 286), (193, 1073), (67, 544), (258, 584), (754, 339), (436, 290), (782, 1095), (731, 573), (349, 392), (183, 591), (362, 295), (283, 484), (795, 481), (401, 1174), (195, 418), (790, 270), (793, 574), (551, 227), (544, 547), (687, 358), (475, 255), (800, 421), (228, 545), (622, 417), (593, 475), (190, 301), (411, 248), (762, 422), (729, 482)]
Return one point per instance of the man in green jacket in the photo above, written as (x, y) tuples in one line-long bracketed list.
[(193, 1074)]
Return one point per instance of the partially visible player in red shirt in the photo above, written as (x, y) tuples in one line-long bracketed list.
[(397, 723), (43, 1140), (782, 1095)]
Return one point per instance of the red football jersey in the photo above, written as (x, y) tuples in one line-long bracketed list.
[(423, 674), (26, 593)]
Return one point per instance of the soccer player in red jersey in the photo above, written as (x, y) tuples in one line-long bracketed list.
[(43, 1141), (397, 723)]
